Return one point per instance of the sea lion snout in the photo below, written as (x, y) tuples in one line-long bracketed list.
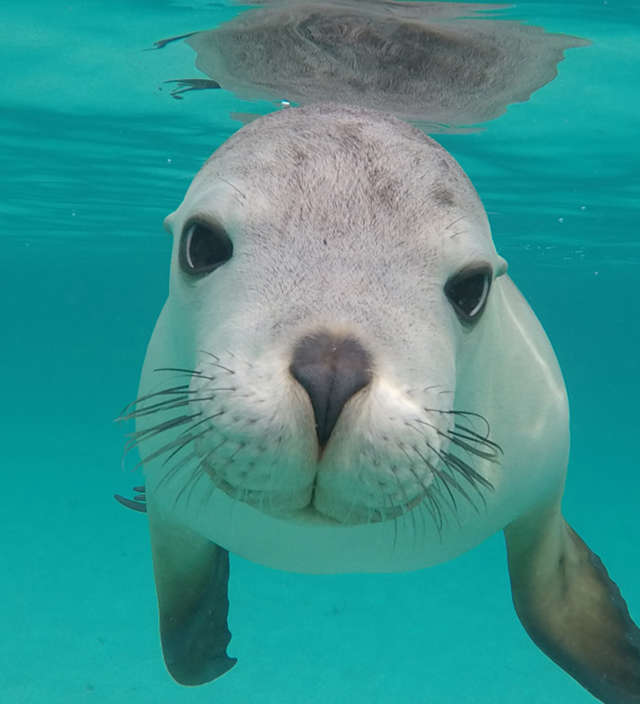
[(331, 369)]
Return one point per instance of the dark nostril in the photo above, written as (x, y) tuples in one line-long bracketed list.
[(331, 370)]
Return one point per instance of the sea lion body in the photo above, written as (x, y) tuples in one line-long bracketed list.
[(377, 285), (344, 378)]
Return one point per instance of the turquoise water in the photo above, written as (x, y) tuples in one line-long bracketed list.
[(94, 157)]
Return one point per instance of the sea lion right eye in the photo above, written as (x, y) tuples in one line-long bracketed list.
[(204, 247)]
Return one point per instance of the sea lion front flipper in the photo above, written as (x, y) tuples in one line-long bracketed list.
[(191, 576), (571, 608)]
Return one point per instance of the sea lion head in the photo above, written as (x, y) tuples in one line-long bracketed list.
[(331, 273)]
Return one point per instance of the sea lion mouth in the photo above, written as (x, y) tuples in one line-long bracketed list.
[(302, 506), (424, 463)]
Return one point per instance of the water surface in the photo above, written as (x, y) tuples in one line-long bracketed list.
[(95, 155)]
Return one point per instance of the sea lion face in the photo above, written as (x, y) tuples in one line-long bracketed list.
[(320, 267)]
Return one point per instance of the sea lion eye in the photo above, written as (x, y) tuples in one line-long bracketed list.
[(204, 247), (467, 292)]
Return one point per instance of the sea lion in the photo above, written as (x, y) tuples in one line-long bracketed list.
[(344, 378)]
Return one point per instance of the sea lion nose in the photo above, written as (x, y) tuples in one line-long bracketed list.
[(331, 370)]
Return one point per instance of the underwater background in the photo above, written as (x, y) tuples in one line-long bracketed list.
[(95, 153)]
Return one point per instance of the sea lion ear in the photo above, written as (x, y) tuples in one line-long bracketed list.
[(191, 576), (571, 608), (167, 223), (501, 267)]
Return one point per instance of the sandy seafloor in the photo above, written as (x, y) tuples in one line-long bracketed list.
[(94, 156)]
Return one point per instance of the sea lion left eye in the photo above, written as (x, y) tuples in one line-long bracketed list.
[(204, 247), (467, 292)]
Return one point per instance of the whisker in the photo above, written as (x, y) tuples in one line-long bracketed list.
[(454, 222), (449, 483), (171, 404), (454, 464), (471, 435), (429, 502), (177, 467), (214, 449), (456, 440), (463, 414), (394, 544), (211, 487), (216, 362), (187, 372), (436, 474), (182, 389), (449, 478), (394, 471), (179, 370), (187, 440), (413, 516), (468, 473), (170, 445), (140, 435), (167, 405), (194, 478), (204, 420), (436, 513)]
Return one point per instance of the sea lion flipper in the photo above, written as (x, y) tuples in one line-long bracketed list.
[(571, 608), (191, 576)]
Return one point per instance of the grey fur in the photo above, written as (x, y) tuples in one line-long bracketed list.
[(383, 184)]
